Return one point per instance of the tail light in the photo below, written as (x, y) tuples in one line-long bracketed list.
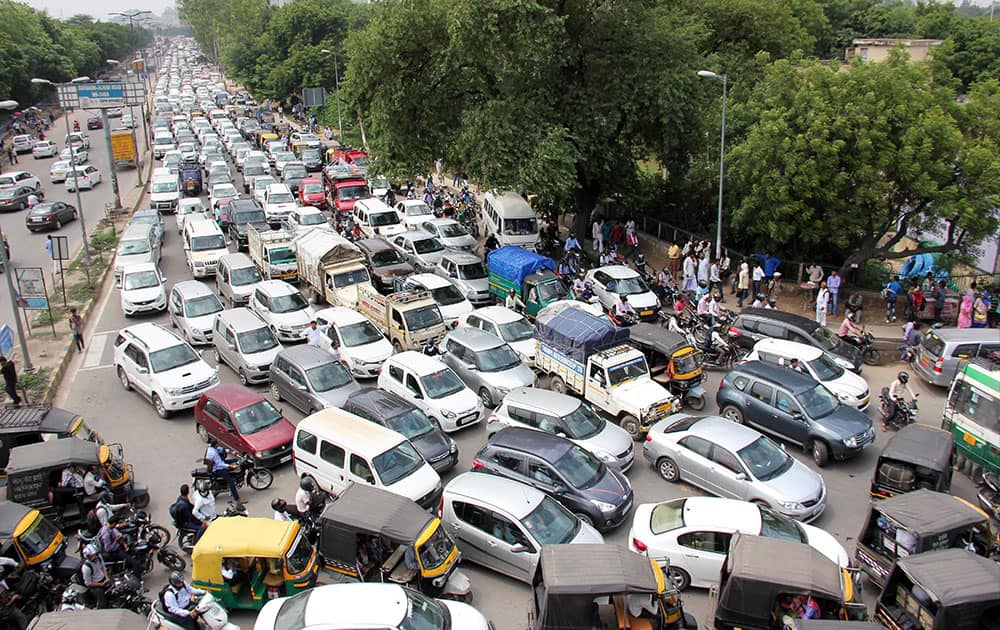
[(649, 437), (939, 364), (477, 465), (733, 332), (638, 544), (441, 506)]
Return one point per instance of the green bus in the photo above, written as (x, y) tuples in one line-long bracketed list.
[(972, 416)]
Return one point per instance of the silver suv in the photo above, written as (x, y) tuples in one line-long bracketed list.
[(485, 364)]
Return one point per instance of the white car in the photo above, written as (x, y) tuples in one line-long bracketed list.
[(414, 212), (430, 384), (142, 289), (259, 187), (281, 159), (422, 249), (85, 176), (58, 170), (220, 192), (192, 308), (506, 324), (278, 203), (18, 179), (357, 341), (451, 233), (850, 389), (162, 368), (284, 309), (611, 282), (80, 155), (44, 149), (128, 122), (78, 139), (305, 218), (188, 208), (449, 299), (693, 534)]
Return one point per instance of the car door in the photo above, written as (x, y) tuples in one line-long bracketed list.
[(469, 529), (757, 409), (789, 420), (457, 357), (298, 390), (259, 305), (726, 474), (511, 551), (141, 378), (415, 393), (694, 457), (361, 470), (333, 460), (175, 308), (704, 552)]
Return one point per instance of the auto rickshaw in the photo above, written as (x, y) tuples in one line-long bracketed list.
[(917, 456), (264, 138), (32, 424), (916, 522), (34, 541), (369, 534), (673, 362), (949, 589), (767, 583), (270, 558), (604, 587), (35, 470), (110, 619)]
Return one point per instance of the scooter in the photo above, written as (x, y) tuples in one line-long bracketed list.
[(211, 616), (906, 412), (989, 495)]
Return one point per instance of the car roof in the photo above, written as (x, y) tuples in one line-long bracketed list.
[(306, 356), (723, 432), (355, 605), (475, 339), (958, 335), (236, 260), (513, 497), (718, 512), (418, 362), (803, 351), (498, 314), (233, 395), (380, 402), (341, 315), (781, 316), (461, 258), (242, 318), (618, 271), (153, 335), (429, 280), (138, 267), (788, 378), (276, 287), (558, 404), (373, 244), (538, 443), (371, 437), (192, 288), (419, 235)]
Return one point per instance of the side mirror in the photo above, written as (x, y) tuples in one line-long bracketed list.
[(518, 549), (300, 387), (470, 366), (142, 370), (741, 476)]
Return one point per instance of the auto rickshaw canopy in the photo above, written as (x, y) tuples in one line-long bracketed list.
[(657, 338), (39, 418), (954, 577), (109, 619), (52, 454), (11, 516), (925, 513), (239, 537), (363, 509), (920, 445)]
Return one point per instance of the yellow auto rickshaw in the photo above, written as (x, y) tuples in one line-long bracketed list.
[(269, 559), (33, 540), (673, 362), (264, 138)]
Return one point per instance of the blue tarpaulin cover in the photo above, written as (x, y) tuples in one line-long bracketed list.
[(577, 333), (516, 263)]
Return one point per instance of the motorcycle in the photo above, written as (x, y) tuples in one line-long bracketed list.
[(723, 351), (37, 592), (126, 591), (143, 548), (211, 615), (906, 412), (989, 495), (246, 473), (869, 353)]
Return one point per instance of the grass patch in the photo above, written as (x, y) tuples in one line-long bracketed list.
[(53, 315), (33, 385), (81, 292)]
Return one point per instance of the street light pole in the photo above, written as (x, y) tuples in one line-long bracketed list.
[(722, 157), (336, 79), (11, 292)]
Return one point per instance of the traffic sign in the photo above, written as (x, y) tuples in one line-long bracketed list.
[(6, 340), (100, 95)]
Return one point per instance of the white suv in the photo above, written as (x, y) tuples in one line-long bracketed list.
[(284, 309), (162, 367)]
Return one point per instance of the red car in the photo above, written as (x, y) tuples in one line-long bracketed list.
[(245, 421), (312, 193), (94, 122)]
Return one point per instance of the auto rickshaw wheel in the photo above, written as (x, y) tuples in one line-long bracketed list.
[(696, 403)]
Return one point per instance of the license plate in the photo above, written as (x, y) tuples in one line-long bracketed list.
[(645, 313), (286, 458), (971, 439), (466, 420)]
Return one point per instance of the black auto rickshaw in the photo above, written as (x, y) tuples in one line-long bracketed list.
[(370, 534), (34, 541), (34, 473), (603, 587), (949, 589), (768, 583), (32, 424), (111, 619), (916, 522), (673, 362), (917, 456)]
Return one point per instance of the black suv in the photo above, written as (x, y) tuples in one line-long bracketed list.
[(597, 494), (792, 405), (755, 324), (242, 214), (391, 411)]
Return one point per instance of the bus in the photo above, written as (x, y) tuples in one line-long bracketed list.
[(972, 416)]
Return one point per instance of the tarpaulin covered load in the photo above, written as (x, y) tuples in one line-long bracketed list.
[(577, 333), (516, 263)]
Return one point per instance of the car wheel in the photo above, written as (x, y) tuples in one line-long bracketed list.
[(632, 426), (275, 394), (820, 453), (667, 468), (584, 518), (733, 414), (218, 357), (58, 224), (76, 215), (557, 385), (161, 410), (679, 578), (202, 433), (484, 395), (123, 377), (243, 377)]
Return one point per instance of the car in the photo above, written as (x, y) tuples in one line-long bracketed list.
[(850, 388), (23, 143), (259, 187), (505, 324), (310, 379), (114, 112), (422, 249), (754, 324), (559, 414), (58, 170), (367, 605), (44, 149), (414, 212), (192, 307), (281, 159), (278, 203), (485, 364), (357, 341), (14, 179), (792, 405), (242, 214), (611, 282), (215, 179), (152, 217), (221, 194), (49, 215), (312, 193), (449, 299), (692, 534), (188, 208), (244, 421), (293, 174), (94, 122), (502, 524), (243, 341), (284, 309), (162, 368), (468, 273), (86, 176), (143, 289), (80, 155), (385, 263), (188, 151), (77, 139), (252, 170), (432, 386), (128, 122), (596, 493), (306, 218), (733, 461), (16, 198), (451, 233)]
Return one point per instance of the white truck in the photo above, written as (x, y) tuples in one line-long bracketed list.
[(331, 268), (273, 254), (408, 318), (587, 355)]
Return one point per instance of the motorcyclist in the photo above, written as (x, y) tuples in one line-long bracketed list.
[(303, 496), (105, 509), (283, 511), (572, 243), (215, 459), (112, 547), (95, 575), (849, 329), (579, 286), (624, 311), (640, 263), (491, 243), (182, 513), (178, 598), (76, 125), (897, 396), (204, 503)]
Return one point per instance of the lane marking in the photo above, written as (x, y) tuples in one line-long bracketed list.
[(95, 351), (96, 367)]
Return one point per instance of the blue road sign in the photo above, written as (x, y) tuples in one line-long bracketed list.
[(36, 303), (6, 339), (100, 95)]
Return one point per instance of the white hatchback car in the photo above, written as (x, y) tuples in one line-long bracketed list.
[(414, 212), (83, 176), (284, 309), (44, 149), (142, 289), (422, 249), (188, 208), (351, 335), (58, 170), (692, 534), (506, 324), (611, 282), (434, 387), (192, 308)]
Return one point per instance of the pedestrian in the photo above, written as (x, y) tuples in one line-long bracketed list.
[(757, 276), (822, 303), (774, 289), (10, 379), (312, 334), (703, 268), (632, 243), (714, 280), (32, 200), (674, 258), (939, 299), (690, 281), (76, 327), (890, 291), (50, 248), (833, 285), (12, 154), (980, 311), (438, 165), (964, 313), (597, 232), (743, 283)]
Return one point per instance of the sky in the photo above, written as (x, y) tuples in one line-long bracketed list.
[(99, 9)]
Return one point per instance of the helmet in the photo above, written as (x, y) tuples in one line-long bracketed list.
[(90, 551), (772, 302), (278, 505), (203, 486), (852, 315), (176, 579), (903, 377), (69, 596), (307, 484), (640, 256), (760, 296), (702, 284)]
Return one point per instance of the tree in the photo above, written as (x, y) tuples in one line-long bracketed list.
[(844, 163), (972, 51)]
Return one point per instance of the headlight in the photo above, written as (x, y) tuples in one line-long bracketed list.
[(602, 506), (357, 361), (843, 396), (173, 391), (215, 378), (503, 391), (791, 506), (448, 414), (851, 442)]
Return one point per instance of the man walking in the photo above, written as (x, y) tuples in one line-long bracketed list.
[(597, 231), (833, 286), (10, 379), (674, 259), (743, 283), (822, 302), (48, 248), (76, 327)]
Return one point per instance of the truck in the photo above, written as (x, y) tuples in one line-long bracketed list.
[(190, 176), (331, 268), (587, 355), (970, 415), (345, 184), (531, 276), (123, 148), (271, 251), (410, 319)]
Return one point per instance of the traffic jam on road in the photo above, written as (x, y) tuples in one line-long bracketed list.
[(385, 413)]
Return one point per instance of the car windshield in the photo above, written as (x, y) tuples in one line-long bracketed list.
[(10, 193), (827, 339), (765, 458), (667, 516), (776, 525), (583, 423), (141, 280), (172, 357), (281, 197), (549, 291), (312, 188), (288, 303), (497, 359), (427, 245), (205, 243), (257, 340), (472, 271), (817, 402), (202, 305), (135, 246), (387, 257), (580, 468), (447, 295), (417, 209), (255, 216), (312, 218), (350, 278), (257, 417), (224, 191), (630, 286), (280, 255), (294, 171), (423, 613), (825, 368), (242, 276), (520, 227), (628, 371), (441, 384), (411, 424), (397, 463), (551, 524), (329, 376), (452, 230), (262, 182), (420, 318), (162, 187), (359, 334), (384, 218), (517, 330)]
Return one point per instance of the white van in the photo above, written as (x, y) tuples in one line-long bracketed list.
[(204, 244), (510, 217), (374, 217), (164, 192), (337, 448), (163, 141)]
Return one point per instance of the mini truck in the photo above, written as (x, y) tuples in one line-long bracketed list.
[(408, 318), (272, 252), (589, 356), (530, 275), (331, 268)]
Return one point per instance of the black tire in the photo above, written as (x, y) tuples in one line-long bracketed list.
[(58, 224), (730, 412), (484, 396), (557, 385), (275, 394), (632, 426), (147, 565), (185, 540), (697, 403), (171, 560), (679, 578), (123, 378), (871, 356), (260, 479), (161, 409), (668, 470), (820, 453), (163, 533)]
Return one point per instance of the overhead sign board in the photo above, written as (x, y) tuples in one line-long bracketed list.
[(100, 95)]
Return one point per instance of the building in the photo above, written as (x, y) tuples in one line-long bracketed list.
[(878, 49)]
